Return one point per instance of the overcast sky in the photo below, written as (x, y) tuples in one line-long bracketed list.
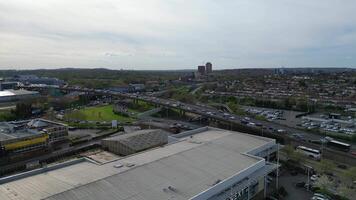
[(177, 34)]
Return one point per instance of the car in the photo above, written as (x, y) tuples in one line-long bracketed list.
[(321, 195), (294, 172), (298, 136), (342, 166), (251, 124), (118, 165), (258, 124), (300, 184), (130, 164), (317, 198), (271, 198), (314, 177), (281, 131)]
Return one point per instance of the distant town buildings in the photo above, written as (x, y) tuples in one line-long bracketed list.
[(7, 85), (137, 87), (33, 79), (201, 69), (208, 68), (205, 69)]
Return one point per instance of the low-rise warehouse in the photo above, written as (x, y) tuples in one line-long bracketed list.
[(16, 95), (207, 163)]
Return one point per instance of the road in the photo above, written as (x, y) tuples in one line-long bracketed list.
[(206, 111)]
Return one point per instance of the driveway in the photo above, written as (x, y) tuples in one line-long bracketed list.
[(288, 182)]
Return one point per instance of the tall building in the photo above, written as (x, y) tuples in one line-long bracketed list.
[(202, 164), (201, 69), (208, 67)]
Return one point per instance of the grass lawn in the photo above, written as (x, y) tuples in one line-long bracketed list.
[(98, 113)]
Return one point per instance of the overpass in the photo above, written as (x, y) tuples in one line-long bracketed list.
[(208, 112)]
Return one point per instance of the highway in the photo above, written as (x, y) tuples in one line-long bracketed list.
[(208, 112)]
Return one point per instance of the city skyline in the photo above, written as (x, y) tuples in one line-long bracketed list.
[(172, 35)]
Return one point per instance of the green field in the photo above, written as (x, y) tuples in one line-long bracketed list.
[(99, 113)]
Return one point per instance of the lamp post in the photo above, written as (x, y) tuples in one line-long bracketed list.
[(308, 172), (277, 173)]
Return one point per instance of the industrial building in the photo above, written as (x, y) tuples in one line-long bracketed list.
[(206, 163), (135, 142), (29, 135), (7, 85), (17, 95)]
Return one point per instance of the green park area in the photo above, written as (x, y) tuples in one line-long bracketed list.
[(97, 113)]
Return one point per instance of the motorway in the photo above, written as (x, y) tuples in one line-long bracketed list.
[(208, 112)]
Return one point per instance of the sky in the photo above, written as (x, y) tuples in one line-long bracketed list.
[(177, 34)]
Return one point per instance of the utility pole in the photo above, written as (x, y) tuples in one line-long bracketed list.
[(277, 174), (308, 181)]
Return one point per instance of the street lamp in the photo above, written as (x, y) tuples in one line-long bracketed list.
[(277, 173), (308, 171)]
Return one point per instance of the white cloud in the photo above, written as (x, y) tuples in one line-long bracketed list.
[(154, 34)]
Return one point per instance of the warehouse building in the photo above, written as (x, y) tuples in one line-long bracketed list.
[(7, 85), (135, 142), (206, 163), (30, 135), (17, 95)]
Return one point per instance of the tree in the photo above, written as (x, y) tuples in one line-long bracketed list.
[(323, 183), (345, 191), (298, 157), (293, 155), (232, 99), (23, 110), (289, 150), (349, 175), (325, 166)]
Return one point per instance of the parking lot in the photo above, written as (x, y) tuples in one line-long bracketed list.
[(346, 127), (284, 117), (288, 181)]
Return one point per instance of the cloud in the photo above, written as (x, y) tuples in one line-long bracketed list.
[(176, 34)]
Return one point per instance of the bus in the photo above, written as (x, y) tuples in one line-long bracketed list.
[(338, 145), (312, 153)]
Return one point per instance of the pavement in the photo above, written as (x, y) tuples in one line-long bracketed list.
[(288, 182), (294, 193)]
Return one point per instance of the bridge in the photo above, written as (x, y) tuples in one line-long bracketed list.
[(253, 126)]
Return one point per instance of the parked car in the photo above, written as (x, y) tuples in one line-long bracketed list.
[(300, 184), (342, 166), (314, 178)]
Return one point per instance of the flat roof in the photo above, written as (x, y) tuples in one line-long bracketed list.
[(190, 166), (8, 130), (7, 93), (23, 92)]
